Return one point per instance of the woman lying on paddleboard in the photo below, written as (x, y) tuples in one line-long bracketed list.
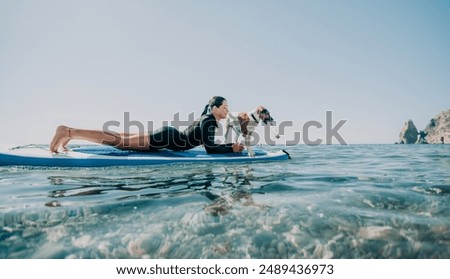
[(201, 132)]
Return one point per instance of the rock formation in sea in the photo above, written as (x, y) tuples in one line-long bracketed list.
[(409, 133), (437, 131)]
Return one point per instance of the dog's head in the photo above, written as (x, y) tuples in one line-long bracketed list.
[(264, 115)]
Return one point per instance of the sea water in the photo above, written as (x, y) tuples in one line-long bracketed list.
[(338, 201)]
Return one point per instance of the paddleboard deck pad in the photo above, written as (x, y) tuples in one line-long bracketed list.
[(104, 156)]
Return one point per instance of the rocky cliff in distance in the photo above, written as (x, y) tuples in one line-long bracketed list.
[(437, 131)]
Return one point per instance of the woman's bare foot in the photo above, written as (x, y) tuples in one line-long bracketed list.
[(61, 139)]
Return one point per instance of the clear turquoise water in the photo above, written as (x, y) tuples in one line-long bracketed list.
[(355, 201)]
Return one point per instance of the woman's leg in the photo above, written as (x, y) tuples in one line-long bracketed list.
[(123, 141)]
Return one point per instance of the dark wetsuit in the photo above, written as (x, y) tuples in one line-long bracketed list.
[(201, 132)]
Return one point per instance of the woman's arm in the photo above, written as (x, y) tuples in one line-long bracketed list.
[(208, 128)]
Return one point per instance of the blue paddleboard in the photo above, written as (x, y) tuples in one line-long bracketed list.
[(104, 156)]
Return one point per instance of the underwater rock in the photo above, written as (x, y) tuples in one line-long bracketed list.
[(378, 232)]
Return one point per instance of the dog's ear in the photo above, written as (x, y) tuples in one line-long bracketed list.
[(259, 109)]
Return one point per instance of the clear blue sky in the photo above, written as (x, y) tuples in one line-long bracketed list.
[(82, 63)]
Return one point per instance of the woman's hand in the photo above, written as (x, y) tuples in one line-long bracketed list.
[(237, 147)]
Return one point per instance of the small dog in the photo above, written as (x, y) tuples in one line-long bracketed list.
[(245, 123)]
